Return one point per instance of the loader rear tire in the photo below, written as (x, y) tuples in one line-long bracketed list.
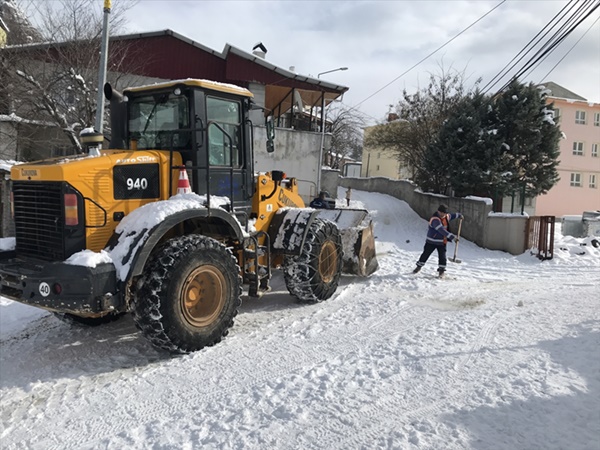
[(313, 276), (188, 295)]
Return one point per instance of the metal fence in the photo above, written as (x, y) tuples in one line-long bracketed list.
[(540, 236)]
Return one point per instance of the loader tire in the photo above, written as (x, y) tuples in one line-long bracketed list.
[(313, 276), (188, 295)]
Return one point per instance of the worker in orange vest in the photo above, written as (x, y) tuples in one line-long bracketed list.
[(437, 237)]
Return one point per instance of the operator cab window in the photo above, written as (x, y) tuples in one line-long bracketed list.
[(160, 121), (223, 151)]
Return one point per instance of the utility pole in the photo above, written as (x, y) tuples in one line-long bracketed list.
[(102, 69)]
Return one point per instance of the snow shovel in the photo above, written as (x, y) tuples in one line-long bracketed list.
[(455, 259)]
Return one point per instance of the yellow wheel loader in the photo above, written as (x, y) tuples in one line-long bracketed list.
[(172, 221)]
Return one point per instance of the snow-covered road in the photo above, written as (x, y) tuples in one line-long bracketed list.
[(504, 354)]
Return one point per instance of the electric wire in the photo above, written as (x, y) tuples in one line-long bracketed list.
[(531, 43), (569, 51), (575, 19), (539, 62), (530, 66), (430, 54)]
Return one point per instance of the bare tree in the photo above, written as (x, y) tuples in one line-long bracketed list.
[(347, 138), (55, 82), (419, 119)]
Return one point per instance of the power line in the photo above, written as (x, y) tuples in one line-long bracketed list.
[(580, 15), (569, 51), (553, 47), (523, 51), (432, 53)]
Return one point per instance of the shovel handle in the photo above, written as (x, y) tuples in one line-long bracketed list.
[(457, 238)]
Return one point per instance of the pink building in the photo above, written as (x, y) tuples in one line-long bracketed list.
[(579, 187)]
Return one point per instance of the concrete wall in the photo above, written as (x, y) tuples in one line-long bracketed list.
[(296, 153), (257, 116), (329, 181), (506, 233), (495, 231)]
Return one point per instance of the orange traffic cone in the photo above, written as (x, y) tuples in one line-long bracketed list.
[(183, 185)]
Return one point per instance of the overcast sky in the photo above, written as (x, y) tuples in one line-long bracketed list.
[(380, 40)]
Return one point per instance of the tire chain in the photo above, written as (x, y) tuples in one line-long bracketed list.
[(148, 318)]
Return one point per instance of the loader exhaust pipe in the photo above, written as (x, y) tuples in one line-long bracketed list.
[(118, 116)]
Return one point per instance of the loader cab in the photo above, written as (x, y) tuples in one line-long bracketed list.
[(207, 123)]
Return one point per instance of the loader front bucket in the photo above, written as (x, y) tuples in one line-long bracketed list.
[(358, 240)]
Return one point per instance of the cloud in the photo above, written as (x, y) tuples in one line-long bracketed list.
[(379, 40)]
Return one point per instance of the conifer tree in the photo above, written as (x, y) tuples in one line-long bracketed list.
[(529, 140), (496, 147), (461, 159)]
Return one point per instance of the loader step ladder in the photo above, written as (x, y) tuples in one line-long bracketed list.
[(255, 274)]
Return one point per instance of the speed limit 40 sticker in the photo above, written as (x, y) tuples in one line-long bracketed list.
[(44, 289)]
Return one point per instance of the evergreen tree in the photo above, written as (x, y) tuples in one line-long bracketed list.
[(461, 158), (529, 140), (496, 147)]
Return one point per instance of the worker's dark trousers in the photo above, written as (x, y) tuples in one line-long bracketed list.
[(428, 250)]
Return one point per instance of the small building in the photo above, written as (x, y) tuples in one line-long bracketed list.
[(352, 169), (381, 162), (3, 33)]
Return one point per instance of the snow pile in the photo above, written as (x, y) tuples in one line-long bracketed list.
[(134, 227), (7, 164), (7, 244), (503, 354), (89, 258)]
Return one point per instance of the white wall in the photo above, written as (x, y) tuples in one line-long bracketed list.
[(296, 153), (258, 115)]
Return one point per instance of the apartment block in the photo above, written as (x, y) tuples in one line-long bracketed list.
[(579, 187)]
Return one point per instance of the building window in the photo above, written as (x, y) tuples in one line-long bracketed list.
[(556, 115), (378, 155), (377, 167), (580, 117), (578, 148), (597, 119), (593, 181), (595, 150), (576, 179)]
